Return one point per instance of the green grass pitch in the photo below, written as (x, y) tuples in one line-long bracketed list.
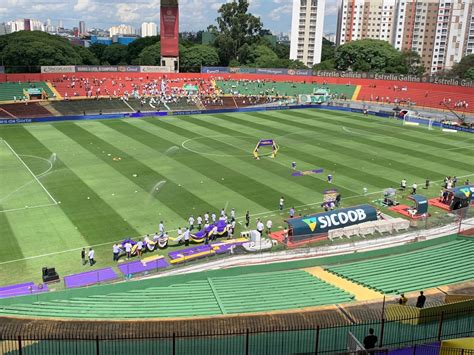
[(69, 185)]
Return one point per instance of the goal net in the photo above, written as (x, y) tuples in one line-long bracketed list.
[(412, 119)]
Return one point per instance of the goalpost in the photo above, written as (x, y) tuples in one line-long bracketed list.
[(411, 119)]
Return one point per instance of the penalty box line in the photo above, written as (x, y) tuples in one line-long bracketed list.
[(29, 170)]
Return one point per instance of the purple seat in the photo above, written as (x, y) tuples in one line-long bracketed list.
[(90, 277), (138, 266)]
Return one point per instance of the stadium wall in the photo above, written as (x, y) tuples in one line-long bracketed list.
[(175, 279)]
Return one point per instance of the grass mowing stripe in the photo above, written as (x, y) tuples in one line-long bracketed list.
[(274, 166), (251, 189), (10, 249), (93, 219), (367, 140), (133, 205), (284, 159), (319, 161), (175, 198), (356, 153), (422, 136), (386, 145), (418, 141), (398, 123), (219, 174), (269, 166)]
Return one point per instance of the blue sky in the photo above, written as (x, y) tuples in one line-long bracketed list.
[(195, 14)]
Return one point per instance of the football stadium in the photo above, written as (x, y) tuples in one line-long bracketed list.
[(234, 210)]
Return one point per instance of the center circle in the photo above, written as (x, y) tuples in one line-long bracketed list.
[(221, 145)]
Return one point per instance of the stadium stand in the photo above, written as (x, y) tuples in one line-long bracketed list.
[(220, 295), (14, 91), (444, 264), (277, 88), (442, 97), (32, 110)]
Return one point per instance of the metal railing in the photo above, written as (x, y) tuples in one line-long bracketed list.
[(155, 337)]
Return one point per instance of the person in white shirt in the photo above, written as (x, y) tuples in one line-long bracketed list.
[(232, 214), (213, 217), (269, 226), (199, 222), (229, 230), (128, 250), (403, 184), (214, 233), (91, 257), (222, 212), (206, 217), (116, 252), (414, 187), (260, 227), (191, 222), (186, 236), (139, 247), (161, 228), (282, 203)]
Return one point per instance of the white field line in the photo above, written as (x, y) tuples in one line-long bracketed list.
[(28, 208), (174, 230), (34, 176)]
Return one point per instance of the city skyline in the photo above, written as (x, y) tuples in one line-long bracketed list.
[(195, 15)]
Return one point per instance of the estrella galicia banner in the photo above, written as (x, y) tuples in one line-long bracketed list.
[(214, 70), (320, 223), (169, 22)]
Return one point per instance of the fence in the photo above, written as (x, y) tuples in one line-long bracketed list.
[(161, 338)]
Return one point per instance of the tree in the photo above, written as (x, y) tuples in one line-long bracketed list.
[(87, 57), (192, 58), (150, 55), (325, 65), (26, 51), (261, 56), (235, 27), (368, 55), (461, 69), (98, 50), (411, 60), (470, 74), (135, 48), (328, 50), (115, 54)]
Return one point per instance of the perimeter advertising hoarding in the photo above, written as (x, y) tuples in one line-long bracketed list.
[(107, 68), (169, 26), (215, 70), (58, 69), (319, 223), (153, 69)]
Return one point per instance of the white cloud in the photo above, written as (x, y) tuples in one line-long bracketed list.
[(84, 5)]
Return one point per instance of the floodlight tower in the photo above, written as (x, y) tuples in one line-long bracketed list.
[(169, 31)]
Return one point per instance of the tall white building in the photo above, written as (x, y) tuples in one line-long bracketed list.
[(121, 30), (307, 31), (440, 31), (25, 25), (149, 29)]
